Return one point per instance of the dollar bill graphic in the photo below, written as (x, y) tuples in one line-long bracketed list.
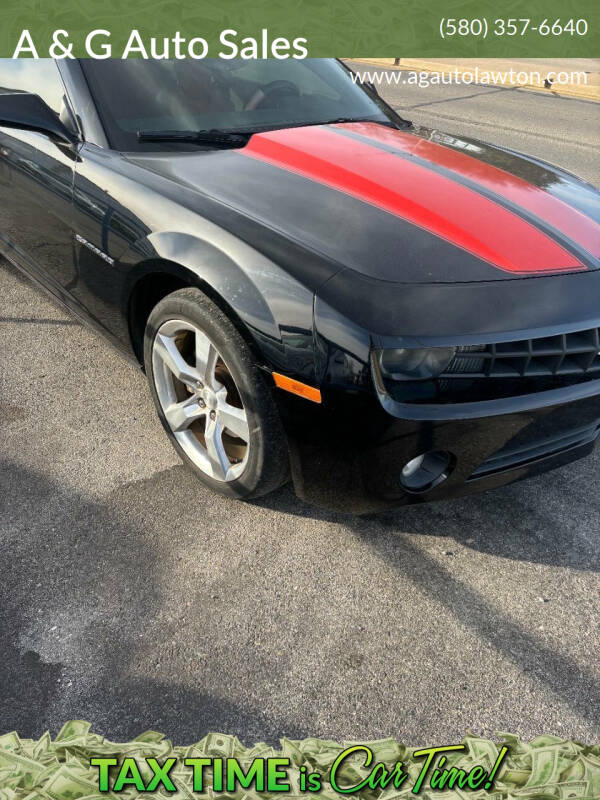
[(548, 768), (66, 784), (10, 741), (544, 766)]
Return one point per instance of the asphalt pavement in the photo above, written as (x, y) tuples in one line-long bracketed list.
[(133, 597)]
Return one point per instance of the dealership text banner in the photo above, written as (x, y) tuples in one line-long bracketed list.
[(266, 29)]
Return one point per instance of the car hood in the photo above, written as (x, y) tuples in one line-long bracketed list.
[(408, 206)]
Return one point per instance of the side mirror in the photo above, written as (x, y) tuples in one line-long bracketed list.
[(28, 111)]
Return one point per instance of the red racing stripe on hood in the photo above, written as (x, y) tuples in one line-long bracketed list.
[(419, 195), (568, 220)]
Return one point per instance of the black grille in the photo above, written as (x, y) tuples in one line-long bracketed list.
[(567, 355), (517, 453)]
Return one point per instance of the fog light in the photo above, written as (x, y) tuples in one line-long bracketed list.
[(426, 471)]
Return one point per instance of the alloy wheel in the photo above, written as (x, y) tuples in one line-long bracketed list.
[(200, 400)]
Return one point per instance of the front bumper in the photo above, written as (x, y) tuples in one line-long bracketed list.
[(348, 454)]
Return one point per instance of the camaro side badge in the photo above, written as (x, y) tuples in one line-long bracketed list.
[(94, 249)]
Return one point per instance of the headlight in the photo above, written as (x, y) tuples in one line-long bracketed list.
[(419, 364)]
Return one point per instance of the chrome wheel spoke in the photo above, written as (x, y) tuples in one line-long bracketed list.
[(202, 392), (234, 420), (216, 451), (206, 359), (181, 415), (166, 349)]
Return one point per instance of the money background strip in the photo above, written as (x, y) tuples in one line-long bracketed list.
[(547, 768)]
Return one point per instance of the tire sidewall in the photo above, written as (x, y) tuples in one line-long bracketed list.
[(267, 465)]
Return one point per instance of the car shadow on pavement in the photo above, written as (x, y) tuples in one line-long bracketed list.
[(520, 522), (77, 580), (575, 685), (85, 591), (551, 519)]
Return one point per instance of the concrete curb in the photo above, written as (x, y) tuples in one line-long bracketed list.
[(588, 92)]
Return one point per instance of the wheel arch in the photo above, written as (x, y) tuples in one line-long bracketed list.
[(270, 308), (159, 278), (165, 262)]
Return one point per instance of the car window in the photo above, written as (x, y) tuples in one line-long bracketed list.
[(301, 75), (135, 95), (38, 76)]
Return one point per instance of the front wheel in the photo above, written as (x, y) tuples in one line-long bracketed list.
[(212, 399)]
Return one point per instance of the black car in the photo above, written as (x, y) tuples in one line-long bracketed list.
[(316, 288)]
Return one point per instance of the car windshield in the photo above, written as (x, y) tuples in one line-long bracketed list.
[(137, 95)]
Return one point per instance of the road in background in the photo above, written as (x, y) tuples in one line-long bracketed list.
[(559, 129), (135, 598), (571, 77)]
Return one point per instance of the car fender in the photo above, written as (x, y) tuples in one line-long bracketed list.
[(274, 307)]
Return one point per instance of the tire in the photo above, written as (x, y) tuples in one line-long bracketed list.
[(209, 419)]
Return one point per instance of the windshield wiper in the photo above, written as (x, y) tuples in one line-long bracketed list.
[(232, 139), (339, 120), (389, 123), (212, 137)]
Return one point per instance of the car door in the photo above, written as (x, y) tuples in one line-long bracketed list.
[(36, 180)]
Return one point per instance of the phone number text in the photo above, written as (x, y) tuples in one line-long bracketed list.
[(480, 27)]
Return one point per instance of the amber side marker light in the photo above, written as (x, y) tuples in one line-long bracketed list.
[(296, 387)]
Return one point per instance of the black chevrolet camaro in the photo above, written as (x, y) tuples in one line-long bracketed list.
[(317, 289)]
